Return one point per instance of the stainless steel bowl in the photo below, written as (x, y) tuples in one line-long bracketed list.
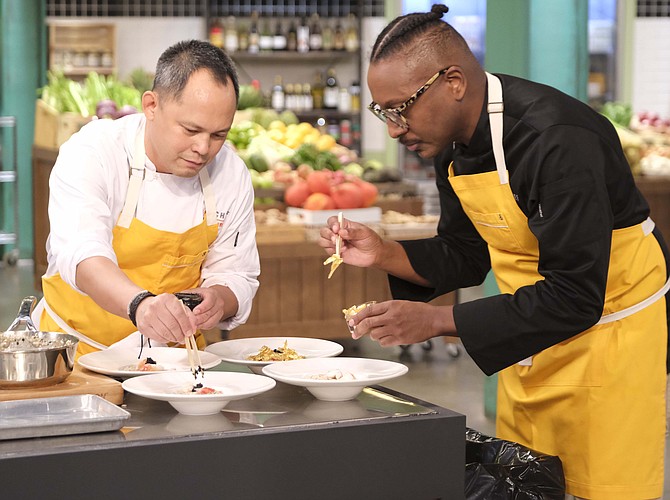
[(30, 358)]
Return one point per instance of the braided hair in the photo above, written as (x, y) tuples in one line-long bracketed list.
[(402, 33)]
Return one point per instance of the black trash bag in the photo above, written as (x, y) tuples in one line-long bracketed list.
[(504, 470)]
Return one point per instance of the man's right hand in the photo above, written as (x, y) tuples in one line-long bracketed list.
[(165, 319), (361, 246)]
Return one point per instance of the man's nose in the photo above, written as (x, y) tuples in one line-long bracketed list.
[(395, 130), (201, 144)]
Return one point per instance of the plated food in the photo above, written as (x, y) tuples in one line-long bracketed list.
[(239, 351), (283, 353), (176, 389), (123, 362), (335, 379)]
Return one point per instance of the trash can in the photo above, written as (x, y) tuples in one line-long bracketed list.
[(504, 470)]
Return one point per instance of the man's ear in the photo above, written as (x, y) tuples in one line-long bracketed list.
[(149, 104), (457, 82)]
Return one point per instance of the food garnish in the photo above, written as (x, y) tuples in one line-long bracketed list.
[(335, 260)]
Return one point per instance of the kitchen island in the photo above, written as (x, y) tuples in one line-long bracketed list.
[(280, 444)]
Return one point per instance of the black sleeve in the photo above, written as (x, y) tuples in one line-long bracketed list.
[(456, 258), (562, 188)]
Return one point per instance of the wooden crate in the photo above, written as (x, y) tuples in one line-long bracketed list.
[(52, 128)]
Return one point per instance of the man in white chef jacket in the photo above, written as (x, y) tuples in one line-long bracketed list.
[(151, 204)]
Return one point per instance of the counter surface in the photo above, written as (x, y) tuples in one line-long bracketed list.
[(280, 444)]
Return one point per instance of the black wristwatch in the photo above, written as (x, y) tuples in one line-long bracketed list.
[(134, 304)]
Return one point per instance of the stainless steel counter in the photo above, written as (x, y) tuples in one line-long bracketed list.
[(281, 444)]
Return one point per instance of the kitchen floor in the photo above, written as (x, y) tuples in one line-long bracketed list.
[(438, 373)]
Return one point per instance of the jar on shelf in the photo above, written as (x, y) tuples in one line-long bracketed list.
[(106, 60)]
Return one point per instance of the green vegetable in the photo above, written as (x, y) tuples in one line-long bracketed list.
[(618, 112), (66, 95), (318, 160), (250, 97), (258, 162)]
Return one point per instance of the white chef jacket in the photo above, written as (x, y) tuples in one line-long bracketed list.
[(88, 186)]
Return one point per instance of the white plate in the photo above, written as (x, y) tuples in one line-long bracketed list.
[(366, 372), (238, 350), (174, 388), (111, 361)]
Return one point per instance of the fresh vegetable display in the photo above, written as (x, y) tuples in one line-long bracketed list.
[(97, 95)]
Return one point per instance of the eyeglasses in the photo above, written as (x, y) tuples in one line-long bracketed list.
[(394, 115)]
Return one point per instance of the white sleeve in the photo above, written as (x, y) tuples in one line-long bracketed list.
[(233, 259), (81, 212)]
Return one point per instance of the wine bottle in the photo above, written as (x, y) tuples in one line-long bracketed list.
[(231, 40), (279, 40), (331, 90), (292, 38), (303, 36), (315, 35), (267, 37), (254, 35)]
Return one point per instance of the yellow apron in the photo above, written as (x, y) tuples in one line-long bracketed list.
[(573, 399), (158, 261)]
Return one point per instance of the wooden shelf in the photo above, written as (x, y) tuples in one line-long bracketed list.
[(282, 57)]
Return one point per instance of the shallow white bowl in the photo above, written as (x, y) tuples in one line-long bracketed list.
[(168, 386), (238, 350), (367, 372), (110, 361)]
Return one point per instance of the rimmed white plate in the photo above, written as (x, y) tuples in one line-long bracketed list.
[(303, 372), (175, 388), (237, 351), (112, 361)]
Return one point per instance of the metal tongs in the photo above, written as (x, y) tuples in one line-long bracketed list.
[(335, 260)]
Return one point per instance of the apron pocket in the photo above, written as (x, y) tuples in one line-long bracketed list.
[(494, 229), (578, 362), (179, 273)]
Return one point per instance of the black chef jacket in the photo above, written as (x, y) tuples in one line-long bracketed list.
[(569, 176)]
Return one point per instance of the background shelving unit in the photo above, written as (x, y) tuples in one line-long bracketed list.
[(8, 176), (79, 47)]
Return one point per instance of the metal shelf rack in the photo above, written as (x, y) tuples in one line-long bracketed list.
[(10, 176)]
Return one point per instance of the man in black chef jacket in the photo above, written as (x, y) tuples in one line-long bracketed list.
[(539, 192)]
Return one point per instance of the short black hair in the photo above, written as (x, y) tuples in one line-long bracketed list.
[(402, 32), (176, 65)]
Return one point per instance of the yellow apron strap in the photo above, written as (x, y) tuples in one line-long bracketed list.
[(136, 177)]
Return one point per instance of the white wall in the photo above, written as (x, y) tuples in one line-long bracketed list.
[(651, 66)]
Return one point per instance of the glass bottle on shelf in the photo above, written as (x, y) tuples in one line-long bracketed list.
[(266, 38), (243, 38), (317, 91), (331, 90), (303, 36), (298, 103), (327, 36), (315, 35), (231, 38), (351, 38), (289, 97), (254, 35), (355, 92), (278, 98), (279, 40), (308, 101), (292, 38), (216, 33), (338, 37)]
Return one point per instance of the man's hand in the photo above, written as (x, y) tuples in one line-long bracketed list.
[(402, 322), (360, 247), (164, 318)]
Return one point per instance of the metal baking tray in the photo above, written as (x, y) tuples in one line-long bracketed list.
[(59, 416)]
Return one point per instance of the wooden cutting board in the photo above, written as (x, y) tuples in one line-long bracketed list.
[(80, 381)]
